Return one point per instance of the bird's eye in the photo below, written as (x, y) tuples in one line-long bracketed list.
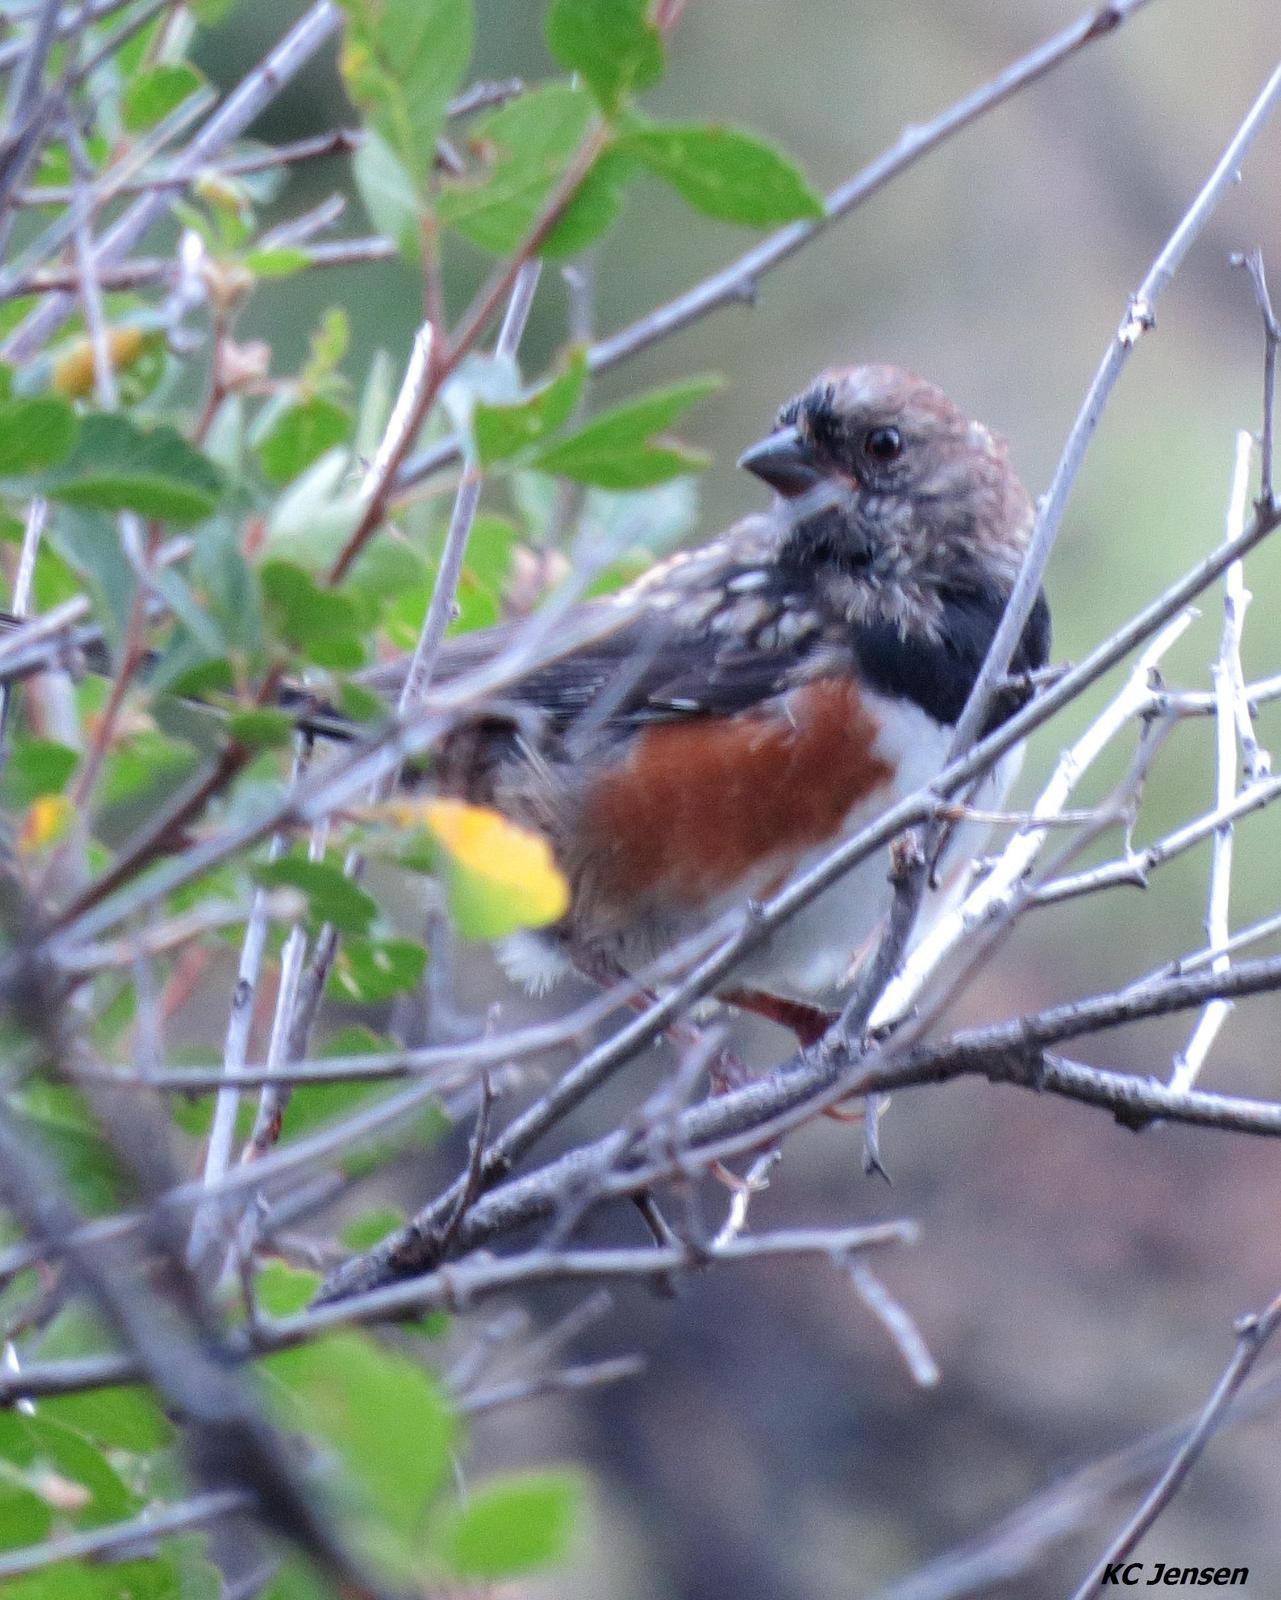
[(883, 444)]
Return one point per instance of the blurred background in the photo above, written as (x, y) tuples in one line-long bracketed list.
[(1076, 1284)]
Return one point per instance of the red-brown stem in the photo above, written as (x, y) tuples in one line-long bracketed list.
[(474, 322)]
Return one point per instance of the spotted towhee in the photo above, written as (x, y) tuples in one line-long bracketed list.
[(749, 703)]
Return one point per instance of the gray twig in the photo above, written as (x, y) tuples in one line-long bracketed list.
[(1253, 264), (569, 1380), (1253, 1333), (1139, 318), (317, 24), (118, 1539), (1024, 1537)]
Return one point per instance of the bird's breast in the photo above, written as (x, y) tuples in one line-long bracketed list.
[(717, 806)]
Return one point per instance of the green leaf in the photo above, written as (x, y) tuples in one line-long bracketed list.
[(127, 1418), (359, 704), (119, 1419), (503, 431), (724, 173), (511, 1526), (327, 346), (297, 1579), (281, 1290), (323, 625), (153, 94), (613, 44), (390, 572), (613, 450), (152, 1579), (593, 210), (281, 262), (365, 1231), (367, 971), (146, 763), (73, 1456), (380, 1412), (24, 1517), (117, 465), (35, 767), (88, 542), (261, 729), (640, 468), (300, 435), (228, 588), (34, 434), (331, 896), (388, 194), (485, 570), (202, 628), (56, 1117), (532, 141), (401, 61)]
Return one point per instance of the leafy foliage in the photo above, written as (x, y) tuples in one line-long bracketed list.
[(34, 433), (511, 1526), (117, 465), (193, 487), (617, 451), (529, 145), (724, 173), (502, 431), (156, 91), (302, 432), (612, 44), (401, 61)]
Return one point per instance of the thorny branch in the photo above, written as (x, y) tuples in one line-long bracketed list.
[(148, 1269), (1253, 1333), (1023, 1538)]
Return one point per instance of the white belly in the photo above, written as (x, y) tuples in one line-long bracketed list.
[(811, 956)]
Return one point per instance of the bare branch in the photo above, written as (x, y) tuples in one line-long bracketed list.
[(1253, 1333), (463, 1285), (897, 1323), (1232, 719), (1139, 318), (32, 532), (569, 1380), (258, 89), (118, 1539), (1026, 1535), (1253, 263)]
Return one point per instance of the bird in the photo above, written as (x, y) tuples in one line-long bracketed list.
[(747, 704), (728, 718)]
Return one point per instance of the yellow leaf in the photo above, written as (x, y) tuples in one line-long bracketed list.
[(221, 194), (45, 820), (73, 370), (500, 876)]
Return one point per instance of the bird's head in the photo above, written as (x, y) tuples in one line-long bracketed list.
[(892, 493)]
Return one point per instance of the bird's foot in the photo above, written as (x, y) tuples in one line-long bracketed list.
[(808, 1023)]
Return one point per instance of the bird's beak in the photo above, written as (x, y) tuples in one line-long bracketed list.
[(783, 460)]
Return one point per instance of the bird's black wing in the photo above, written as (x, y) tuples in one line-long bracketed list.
[(648, 669)]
